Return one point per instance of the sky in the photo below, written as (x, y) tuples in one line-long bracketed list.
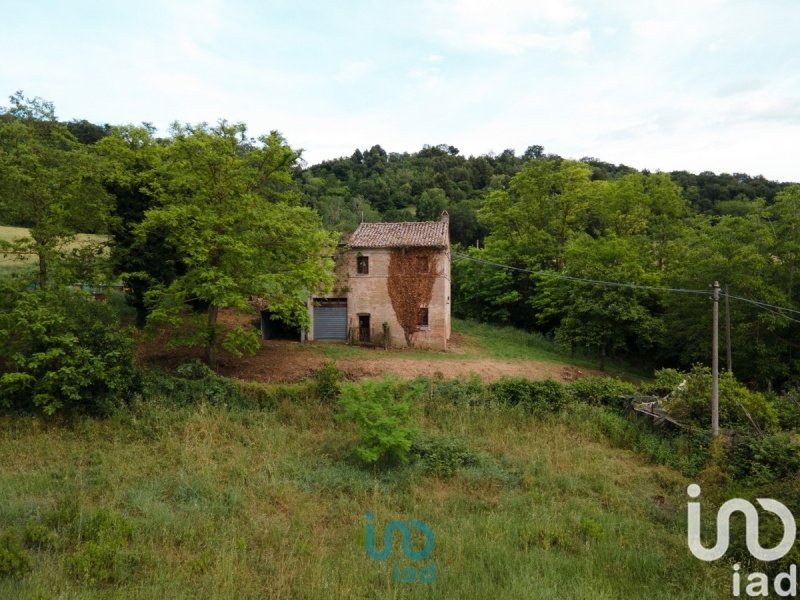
[(696, 85)]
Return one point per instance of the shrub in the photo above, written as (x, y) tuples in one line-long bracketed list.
[(460, 392), (381, 411), (60, 349), (761, 460), (788, 408), (14, 560), (443, 455), (194, 369), (737, 405), (602, 391), (328, 380), (538, 397)]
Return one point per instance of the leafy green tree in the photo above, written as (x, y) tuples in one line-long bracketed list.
[(234, 242), (133, 157), (545, 204), (50, 183), (609, 318), (737, 252), (784, 217)]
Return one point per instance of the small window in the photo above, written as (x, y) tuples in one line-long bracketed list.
[(362, 265), (422, 264), (423, 317)]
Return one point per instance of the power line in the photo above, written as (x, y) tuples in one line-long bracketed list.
[(581, 279), (764, 305), (772, 308)]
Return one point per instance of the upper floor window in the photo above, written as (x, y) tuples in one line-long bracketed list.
[(362, 265)]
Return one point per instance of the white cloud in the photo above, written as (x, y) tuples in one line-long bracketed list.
[(510, 28)]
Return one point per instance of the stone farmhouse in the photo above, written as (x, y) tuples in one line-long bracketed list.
[(392, 288)]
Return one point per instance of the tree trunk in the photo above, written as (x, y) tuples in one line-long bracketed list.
[(603, 356), (211, 339)]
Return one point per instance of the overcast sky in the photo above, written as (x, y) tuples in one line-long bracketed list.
[(674, 84)]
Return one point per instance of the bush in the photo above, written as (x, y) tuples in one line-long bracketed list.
[(788, 408), (443, 455), (737, 405), (195, 369), (602, 391), (328, 380), (760, 460), (538, 397), (460, 392), (381, 410), (60, 349), (14, 560)]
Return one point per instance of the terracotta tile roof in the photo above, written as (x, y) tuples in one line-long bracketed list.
[(425, 234)]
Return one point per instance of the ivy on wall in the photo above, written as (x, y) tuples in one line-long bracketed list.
[(412, 273)]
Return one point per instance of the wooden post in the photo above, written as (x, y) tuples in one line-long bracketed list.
[(715, 364), (728, 331)]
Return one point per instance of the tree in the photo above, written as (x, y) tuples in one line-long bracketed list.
[(134, 157), (233, 242), (609, 318), (50, 183)]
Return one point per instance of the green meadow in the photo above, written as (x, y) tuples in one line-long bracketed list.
[(213, 499)]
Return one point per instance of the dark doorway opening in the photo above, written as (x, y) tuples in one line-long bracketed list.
[(363, 328), (275, 329)]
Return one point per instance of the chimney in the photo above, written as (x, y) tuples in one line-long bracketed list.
[(445, 218)]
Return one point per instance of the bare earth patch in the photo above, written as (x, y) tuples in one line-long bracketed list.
[(281, 361)]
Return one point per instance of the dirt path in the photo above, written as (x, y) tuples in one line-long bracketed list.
[(281, 361)]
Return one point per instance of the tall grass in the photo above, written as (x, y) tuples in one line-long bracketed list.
[(230, 501)]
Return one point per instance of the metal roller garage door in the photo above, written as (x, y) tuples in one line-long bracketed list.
[(330, 319)]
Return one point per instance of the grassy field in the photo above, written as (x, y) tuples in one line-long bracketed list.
[(9, 234), (213, 502)]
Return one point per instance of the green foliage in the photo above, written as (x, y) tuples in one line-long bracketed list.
[(739, 408), (381, 411), (60, 349), (458, 392), (230, 212), (328, 380), (49, 183), (760, 460), (14, 560), (538, 397), (443, 455), (602, 391), (240, 341), (133, 158), (196, 384), (787, 406), (194, 369)]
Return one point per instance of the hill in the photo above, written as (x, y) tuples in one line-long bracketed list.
[(169, 502)]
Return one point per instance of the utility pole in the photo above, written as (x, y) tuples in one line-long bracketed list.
[(715, 364), (728, 330)]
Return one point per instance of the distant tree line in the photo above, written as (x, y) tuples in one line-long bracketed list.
[(206, 216)]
